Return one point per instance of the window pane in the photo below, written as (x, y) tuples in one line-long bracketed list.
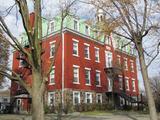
[(76, 74), (97, 78), (87, 30), (76, 97), (52, 76), (133, 85), (51, 99), (52, 26), (75, 48), (97, 55), (127, 84), (88, 97), (87, 76), (52, 49), (86, 51), (75, 25)]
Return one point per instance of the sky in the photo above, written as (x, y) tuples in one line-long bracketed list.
[(50, 7)]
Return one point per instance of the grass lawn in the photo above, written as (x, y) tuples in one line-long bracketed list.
[(97, 113), (111, 112)]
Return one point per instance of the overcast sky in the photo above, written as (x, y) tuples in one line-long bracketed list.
[(50, 7)]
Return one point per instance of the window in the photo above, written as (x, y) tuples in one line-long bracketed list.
[(108, 59), (125, 64), (126, 48), (132, 66), (127, 83), (75, 74), (96, 34), (132, 48), (98, 82), (108, 40), (52, 26), (21, 61), (96, 54), (5, 100), (51, 98), (52, 76), (76, 97), (87, 76), (88, 97), (86, 30), (98, 98), (75, 47), (133, 85), (76, 25), (86, 51), (120, 82), (52, 49), (110, 84)]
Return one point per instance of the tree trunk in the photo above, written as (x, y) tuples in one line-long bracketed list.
[(151, 103), (37, 98)]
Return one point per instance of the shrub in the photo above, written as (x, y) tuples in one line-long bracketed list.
[(46, 109)]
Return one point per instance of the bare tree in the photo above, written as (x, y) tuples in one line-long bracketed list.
[(135, 20), (33, 55), (155, 85), (4, 55)]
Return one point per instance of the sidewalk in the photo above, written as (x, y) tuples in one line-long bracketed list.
[(94, 115)]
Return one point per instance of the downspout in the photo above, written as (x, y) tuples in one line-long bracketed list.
[(62, 71)]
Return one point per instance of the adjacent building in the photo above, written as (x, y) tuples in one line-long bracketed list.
[(4, 101)]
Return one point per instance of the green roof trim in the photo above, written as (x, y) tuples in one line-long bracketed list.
[(82, 27)]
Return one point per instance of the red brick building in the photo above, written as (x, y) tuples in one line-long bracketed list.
[(84, 69)]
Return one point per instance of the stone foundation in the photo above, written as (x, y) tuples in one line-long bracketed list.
[(68, 101)]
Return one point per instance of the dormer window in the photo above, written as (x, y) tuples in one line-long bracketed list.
[(132, 48), (108, 40), (76, 25), (87, 30), (52, 26)]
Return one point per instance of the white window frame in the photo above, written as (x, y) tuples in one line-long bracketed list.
[(77, 24), (77, 67), (52, 45), (50, 24), (120, 83), (125, 64), (88, 51), (79, 97), (51, 75), (107, 55), (97, 54), (127, 83), (49, 100), (134, 90), (89, 98), (88, 69), (132, 65), (77, 44), (98, 72), (99, 94)]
